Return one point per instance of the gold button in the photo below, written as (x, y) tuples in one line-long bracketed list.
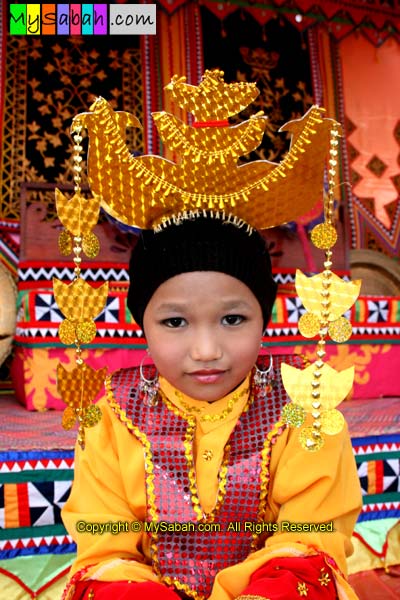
[(208, 454)]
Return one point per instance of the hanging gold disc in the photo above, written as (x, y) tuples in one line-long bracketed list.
[(332, 421), (92, 416), (65, 243), (293, 414), (91, 245), (324, 236), (309, 325), (86, 332), (68, 418), (340, 330), (67, 332)]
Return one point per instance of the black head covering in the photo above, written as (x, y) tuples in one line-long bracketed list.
[(201, 244)]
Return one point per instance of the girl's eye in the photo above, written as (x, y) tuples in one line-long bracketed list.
[(233, 320), (174, 322)]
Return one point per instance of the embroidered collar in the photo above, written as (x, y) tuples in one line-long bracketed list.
[(206, 413)]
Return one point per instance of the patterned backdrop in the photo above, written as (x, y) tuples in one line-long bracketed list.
[(47, 81), (275, 56)]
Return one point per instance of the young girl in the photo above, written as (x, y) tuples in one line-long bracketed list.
[(190, 486)]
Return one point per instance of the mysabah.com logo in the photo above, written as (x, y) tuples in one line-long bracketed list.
[(83, 19)]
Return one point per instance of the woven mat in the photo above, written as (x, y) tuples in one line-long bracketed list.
[(378, 416), (22, 430), (377, 584), (25, 430)]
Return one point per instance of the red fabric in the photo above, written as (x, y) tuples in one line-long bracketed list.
[(284, 578), (123, 590)]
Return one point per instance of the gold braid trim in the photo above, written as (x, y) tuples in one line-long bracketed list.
[(148, 459), (149, 467), (210, 417), (182, 586), (265, 474)]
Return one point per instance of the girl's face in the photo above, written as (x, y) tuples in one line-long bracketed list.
[(203, 330)]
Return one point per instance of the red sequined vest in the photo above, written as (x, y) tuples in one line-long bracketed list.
[(190, 558)]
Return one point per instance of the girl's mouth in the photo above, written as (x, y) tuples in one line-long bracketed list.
[(207, 375)]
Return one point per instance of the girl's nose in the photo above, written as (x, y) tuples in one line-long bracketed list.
[(205, 347)]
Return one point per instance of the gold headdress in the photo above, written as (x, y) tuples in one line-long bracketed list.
[(150, 192), (207, 177)]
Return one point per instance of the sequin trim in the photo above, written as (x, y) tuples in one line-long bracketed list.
[(152, 509), (265, 475)]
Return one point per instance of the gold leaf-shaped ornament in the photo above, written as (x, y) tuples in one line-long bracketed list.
[(342, 294), (79, 301), (78, 215), (79, 387), (333, 387)]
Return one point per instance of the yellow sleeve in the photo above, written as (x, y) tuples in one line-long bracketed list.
[(305, 487), (109, 489)]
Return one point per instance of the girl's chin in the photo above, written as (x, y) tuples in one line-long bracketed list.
[(206, 390)]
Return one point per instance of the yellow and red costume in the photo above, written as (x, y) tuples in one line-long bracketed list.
[(267, 523)]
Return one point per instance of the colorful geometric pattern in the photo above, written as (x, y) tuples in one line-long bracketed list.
[(36, 273), (119, 341), (378, 467), (374, 319), (34, 485), (28, 542), (370, 232)]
